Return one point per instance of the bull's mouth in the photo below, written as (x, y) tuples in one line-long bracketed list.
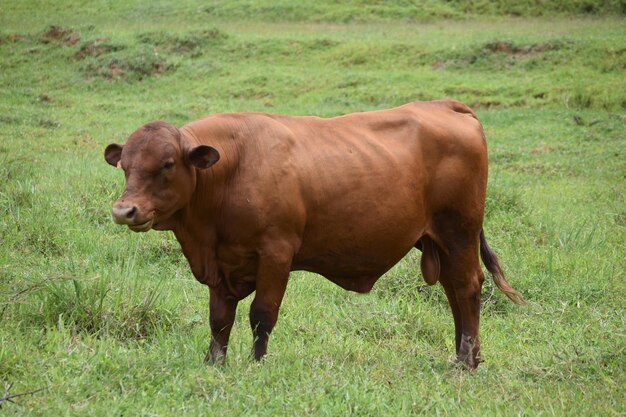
[(143, 227)]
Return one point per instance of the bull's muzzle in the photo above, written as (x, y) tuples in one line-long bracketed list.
[(127, 214)]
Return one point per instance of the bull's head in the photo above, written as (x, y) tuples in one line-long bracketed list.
[(160, 169)]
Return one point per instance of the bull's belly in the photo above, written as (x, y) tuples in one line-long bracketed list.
[(356, 260), (347, 271)]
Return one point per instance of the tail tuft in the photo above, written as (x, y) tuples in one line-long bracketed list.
[(490, 259)]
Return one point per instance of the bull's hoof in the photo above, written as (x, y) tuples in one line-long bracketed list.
[(468, 363), (469, 353), (215, 356)]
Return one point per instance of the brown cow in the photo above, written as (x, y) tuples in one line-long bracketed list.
[(253, 196)]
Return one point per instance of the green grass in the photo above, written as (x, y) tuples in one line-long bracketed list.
[(109, 322)]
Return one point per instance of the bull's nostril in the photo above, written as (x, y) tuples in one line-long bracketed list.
[(124, 214), (131, 213)]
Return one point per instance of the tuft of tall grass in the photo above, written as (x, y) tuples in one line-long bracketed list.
[(118, 305)]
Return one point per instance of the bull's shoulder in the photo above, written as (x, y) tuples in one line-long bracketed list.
[(257, 132), (236, 121)]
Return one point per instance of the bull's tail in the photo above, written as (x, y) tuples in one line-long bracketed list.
[(490, 259)]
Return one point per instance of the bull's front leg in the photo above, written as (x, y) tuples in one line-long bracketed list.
[(271, 282), (222, 309)]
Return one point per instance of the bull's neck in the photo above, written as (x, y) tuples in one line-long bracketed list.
[(201, 218), (197, 225)]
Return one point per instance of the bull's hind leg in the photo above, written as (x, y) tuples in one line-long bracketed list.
[(456, 313), (462, 279)]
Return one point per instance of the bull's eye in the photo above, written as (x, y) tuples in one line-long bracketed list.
[(168, 165)]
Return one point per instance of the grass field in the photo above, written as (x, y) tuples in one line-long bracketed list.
[(108, 322)]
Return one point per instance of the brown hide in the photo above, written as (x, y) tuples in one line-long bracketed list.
[(252, 196)]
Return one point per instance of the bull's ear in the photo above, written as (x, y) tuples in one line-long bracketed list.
[(112, 154), (203, 156)]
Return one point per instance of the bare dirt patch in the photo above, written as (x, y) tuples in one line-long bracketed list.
[(495, 54), (96, 48), (59, 35)]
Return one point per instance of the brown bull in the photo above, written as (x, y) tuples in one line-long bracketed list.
[(251, 197)]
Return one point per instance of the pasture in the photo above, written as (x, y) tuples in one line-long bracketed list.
[(104, 321)]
